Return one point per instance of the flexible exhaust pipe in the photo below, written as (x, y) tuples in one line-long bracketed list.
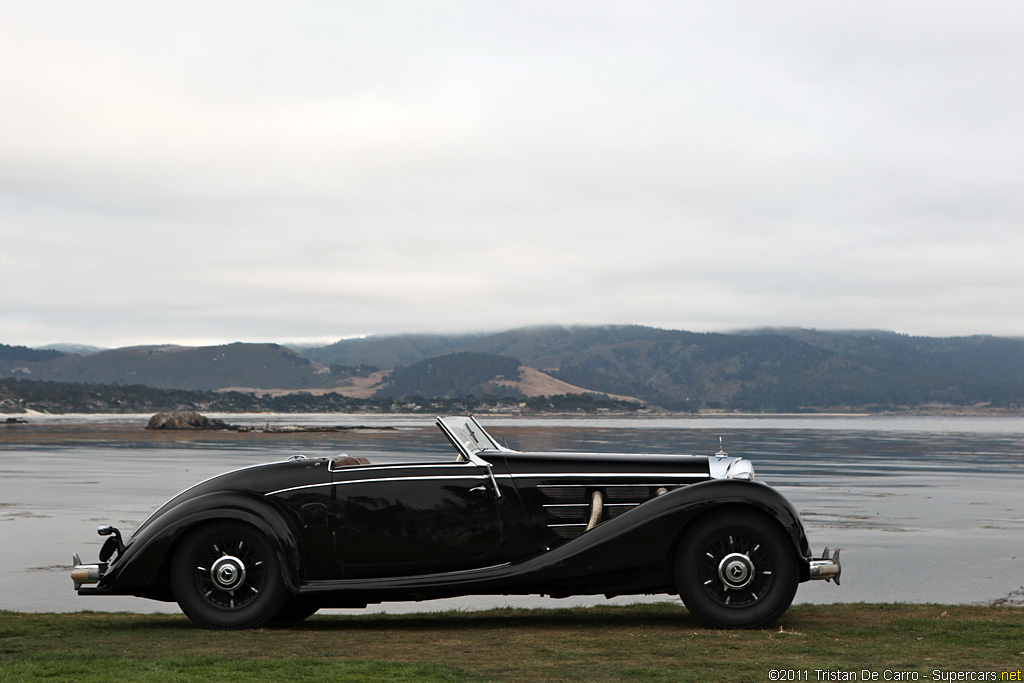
[(596, 507)]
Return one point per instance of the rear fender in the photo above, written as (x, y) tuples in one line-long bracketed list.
[(144, 566)]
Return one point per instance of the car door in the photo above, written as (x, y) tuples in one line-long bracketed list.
[(400, 520)]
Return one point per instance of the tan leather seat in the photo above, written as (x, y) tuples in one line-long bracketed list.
[(349, 461)]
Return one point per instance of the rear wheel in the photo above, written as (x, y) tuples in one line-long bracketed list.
[(737, 570), (227, 576)]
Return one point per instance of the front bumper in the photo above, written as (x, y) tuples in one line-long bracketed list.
[(826, 567)]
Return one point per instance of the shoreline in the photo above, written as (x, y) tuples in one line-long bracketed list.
[(941, 495)]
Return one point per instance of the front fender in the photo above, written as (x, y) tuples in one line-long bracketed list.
[(144, 567), (648, 534), (700, 499), (703, 497)]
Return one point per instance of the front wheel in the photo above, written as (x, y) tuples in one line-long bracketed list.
[(227, 576), (737, 570)]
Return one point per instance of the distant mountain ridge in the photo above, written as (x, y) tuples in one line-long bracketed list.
[(267, 366), (780, 370), (388, 352), (15, 357), (768, 369), (468, 373), (77, 349)]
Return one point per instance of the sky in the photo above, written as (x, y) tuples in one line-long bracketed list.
[(203, 173)]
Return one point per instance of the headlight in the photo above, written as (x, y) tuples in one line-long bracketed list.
[(740, 469)]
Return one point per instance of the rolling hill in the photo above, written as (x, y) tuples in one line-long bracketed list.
[(268, 366), (772, 370)]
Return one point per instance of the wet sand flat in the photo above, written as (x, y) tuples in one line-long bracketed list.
[(925, 510)]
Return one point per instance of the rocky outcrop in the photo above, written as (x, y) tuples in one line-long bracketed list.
[(291, 429), (189, 420)]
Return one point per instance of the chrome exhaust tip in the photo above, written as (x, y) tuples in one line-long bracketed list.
[(826, 567)]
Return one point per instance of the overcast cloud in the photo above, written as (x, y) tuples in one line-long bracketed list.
[(210, 172)]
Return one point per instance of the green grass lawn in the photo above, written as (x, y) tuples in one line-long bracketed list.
[(650, 643)]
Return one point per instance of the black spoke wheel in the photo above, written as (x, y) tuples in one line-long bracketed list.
[(227, 576), (737, 570)]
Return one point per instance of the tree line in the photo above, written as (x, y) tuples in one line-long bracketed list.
[(20, 396)]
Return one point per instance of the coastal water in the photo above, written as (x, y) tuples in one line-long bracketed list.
[(926, 509)]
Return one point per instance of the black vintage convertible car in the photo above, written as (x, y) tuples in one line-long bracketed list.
[(279, 541)]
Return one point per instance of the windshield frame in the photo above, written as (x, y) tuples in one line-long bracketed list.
[(468, 437)]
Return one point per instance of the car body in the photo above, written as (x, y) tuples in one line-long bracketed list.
[(281, 540)]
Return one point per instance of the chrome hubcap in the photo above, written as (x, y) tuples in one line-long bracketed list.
[(227, 573), (735, 571)]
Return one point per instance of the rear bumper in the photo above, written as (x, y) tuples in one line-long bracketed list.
[(83, 574)]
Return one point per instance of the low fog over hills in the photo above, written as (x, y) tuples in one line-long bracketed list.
[(761, 370)]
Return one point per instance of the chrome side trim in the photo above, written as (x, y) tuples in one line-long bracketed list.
[(676, 475), (391, 466), (299, 488), (413, 577), (587, 505), (478, 569), (481, 477)]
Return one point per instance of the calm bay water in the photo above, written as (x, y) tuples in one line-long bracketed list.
[(926, 509)]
